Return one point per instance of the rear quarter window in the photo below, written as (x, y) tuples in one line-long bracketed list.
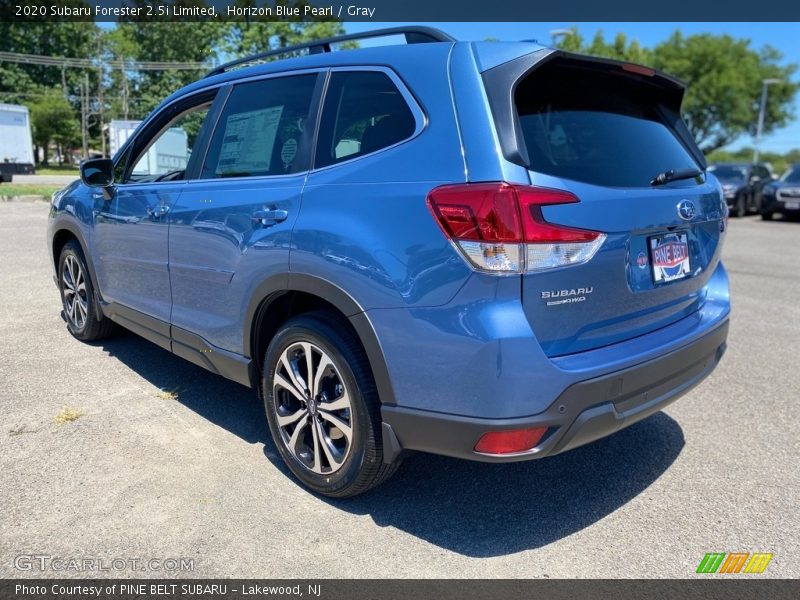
[(596, 128), (364, 112)]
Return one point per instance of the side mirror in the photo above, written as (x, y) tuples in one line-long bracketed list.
[(97, 172)]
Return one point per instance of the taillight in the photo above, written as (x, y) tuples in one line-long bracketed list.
[(499, 227)]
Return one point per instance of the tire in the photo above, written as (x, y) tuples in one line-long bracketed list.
[(77, 296), (766, 216), (336, 451), (739, 207)]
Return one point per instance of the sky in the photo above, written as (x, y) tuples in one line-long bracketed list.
[(782, 36)]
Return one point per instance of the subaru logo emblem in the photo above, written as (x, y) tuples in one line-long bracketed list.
[(687, 210)]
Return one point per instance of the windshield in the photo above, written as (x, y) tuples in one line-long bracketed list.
[(728, 172), (791, 176)]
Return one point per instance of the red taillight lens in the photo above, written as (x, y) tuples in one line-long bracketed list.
[(501, 212), (491, 223), (480, 212), (509, 442), (537, 230)]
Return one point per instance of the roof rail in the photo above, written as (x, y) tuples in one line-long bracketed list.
[(413, 35)]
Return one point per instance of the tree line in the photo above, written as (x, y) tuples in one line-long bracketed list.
[(724, 78), (69, 105)]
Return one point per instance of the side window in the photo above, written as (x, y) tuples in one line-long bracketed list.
[(260, 130), (167, 155), (364, 112)]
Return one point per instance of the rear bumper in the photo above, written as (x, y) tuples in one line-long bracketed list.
[(584, 412)]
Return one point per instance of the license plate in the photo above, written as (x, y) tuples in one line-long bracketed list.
[(792, 205), (669, 257)]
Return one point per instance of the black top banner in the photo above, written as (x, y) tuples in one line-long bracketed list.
[(398, 10)]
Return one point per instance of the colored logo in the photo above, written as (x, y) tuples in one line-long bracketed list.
[(734, 562), (687, 210), (641, 260), (670, 254), (670, 257)]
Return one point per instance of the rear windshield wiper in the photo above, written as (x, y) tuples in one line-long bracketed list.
[(675, 175)]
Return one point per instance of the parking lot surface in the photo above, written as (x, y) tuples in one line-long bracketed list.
[(96, 461)]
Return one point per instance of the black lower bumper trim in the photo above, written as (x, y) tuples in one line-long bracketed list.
[(584, 412)]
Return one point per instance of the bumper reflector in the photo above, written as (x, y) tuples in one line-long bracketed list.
[(509, 442)]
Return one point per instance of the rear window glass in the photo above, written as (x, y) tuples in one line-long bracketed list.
[(596, 128), (792, 176)]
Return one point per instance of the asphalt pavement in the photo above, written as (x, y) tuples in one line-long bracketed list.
[(98, 462)]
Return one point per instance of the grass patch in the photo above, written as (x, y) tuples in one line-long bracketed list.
[(165, 394), (68, 415), (14, 190)]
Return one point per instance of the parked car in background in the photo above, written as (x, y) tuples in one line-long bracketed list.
[(16, 145), (742, 184), (478, 258), (782, 196)]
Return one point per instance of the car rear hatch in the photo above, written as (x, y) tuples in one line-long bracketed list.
[(600, 132)]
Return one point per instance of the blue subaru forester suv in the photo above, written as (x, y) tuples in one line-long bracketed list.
[(492, 251)]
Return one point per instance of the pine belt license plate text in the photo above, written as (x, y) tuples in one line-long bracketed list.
[(669, 256)]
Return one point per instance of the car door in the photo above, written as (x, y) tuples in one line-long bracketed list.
[(231, 228), (131, 222)]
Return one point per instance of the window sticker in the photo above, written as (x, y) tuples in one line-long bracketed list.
[(289, 151), (248, 141)]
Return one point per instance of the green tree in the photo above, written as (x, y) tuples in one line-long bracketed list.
[(247, 37), (53, 120), (723, 75), (171, 40), (72, 40)]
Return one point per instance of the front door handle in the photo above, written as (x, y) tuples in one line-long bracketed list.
[(268, 218)]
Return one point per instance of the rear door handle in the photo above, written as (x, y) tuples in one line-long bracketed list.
[(268, 218)]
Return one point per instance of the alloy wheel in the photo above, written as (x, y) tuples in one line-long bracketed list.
[(76, 300), (313, 408)]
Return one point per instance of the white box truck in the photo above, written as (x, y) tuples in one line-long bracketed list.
[(16, 143), (169, 153), (118, 133)]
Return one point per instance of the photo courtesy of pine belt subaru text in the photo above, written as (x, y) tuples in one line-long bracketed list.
[(491, 251)]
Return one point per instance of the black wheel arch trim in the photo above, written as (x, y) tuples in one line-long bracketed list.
[(64, 223), (274, 287)]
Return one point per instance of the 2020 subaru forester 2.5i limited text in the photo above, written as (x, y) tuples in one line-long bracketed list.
[(493, 251)]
